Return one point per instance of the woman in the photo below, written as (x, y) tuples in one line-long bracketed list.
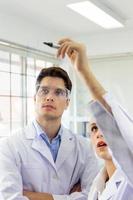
[(111, 183), (115, 181)]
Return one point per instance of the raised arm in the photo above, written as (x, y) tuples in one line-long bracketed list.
[(78, 56), (118, 127)]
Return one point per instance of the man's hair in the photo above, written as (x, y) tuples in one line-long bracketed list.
[(54, 72)]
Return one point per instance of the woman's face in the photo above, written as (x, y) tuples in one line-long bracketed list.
[(98, 142)]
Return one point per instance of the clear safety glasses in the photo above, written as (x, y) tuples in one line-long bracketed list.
[(43, 91)]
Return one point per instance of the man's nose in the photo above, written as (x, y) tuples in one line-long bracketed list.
[(50, 96)]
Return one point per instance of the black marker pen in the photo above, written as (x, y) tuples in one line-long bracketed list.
[(50, 44)]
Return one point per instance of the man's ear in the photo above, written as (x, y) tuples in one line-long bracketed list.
[(67, 103)]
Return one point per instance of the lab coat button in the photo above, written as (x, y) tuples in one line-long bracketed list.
[(55, 177)]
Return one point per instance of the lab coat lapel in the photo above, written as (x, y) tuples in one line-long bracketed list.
[(98, 185), (42, 148), (112, 186), (109, 191), (66, 146), (39, 145)]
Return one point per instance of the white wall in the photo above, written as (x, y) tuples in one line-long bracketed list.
[(116, 75), (112, 42), (24, 32)]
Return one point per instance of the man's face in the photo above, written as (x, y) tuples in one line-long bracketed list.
[(51, 99), (98, 142)]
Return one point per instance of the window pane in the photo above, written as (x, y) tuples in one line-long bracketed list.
[(30, 86), (4, 83), (4, 61), (16, 85), (38, 69), (16, 115), (49, 64), (4, 116), (30, 66), (30, 109), (16, 63), (40, 63)]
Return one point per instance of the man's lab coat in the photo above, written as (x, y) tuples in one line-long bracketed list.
[(26, 163), (118, 132)]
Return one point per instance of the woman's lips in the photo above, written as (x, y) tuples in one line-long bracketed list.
[(101, 144)]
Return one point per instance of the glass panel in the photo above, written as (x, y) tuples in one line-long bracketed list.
[(81, 127), (16, 63), (30, 86), (16, 115), (30, 109), (4, 61), (49, 64), (38, 69), (16, 85), (66, 118), (40, 63), (4, 83), (30, 66), (4, 116)]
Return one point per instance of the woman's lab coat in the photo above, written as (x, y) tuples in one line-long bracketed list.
[(26, 163), (117, 188), (118, 132)]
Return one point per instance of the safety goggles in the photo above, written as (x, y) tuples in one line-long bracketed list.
[(43, 91)]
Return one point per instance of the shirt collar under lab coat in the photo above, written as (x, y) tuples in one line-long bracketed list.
[(39, 130)]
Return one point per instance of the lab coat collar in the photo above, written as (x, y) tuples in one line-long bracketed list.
[(112, 185), (66, 146), (101, 180), (38, 144), (98, 185), (29, 131)]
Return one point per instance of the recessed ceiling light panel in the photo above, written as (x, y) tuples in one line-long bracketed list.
[(95, 14)]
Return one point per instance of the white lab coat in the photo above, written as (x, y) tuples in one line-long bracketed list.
[(26, 163), (117, 188), (118, 132)]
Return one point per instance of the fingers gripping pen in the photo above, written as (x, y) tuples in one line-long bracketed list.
[(50, 44)]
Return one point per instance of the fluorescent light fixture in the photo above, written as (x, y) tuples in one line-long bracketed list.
[(95, 14)]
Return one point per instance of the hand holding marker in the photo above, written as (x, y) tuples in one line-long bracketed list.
[(55, 46)]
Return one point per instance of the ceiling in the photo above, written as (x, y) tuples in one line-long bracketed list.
[(30, 22)]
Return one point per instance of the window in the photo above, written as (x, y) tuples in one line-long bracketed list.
[(18, 73)]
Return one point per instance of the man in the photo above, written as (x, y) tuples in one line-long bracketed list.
[(45, 160)]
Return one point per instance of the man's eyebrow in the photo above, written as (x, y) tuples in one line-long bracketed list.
[(46, 86)]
